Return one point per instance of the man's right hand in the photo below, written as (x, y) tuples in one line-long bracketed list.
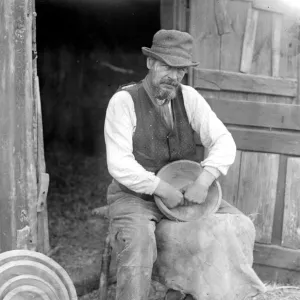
[(169, 195)]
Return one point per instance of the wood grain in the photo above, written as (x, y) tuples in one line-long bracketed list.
[(266, 141), (257, 191), (297, 99), (7, 97), (276, 256), (230, 182), (222, 19), (232, 43), (270, 115), (291, 221), (279, 205), (276, 43), (232, 81), (43, 178), (289, 48), (249, 40), (203, 28), (18, 183), (26, 13)]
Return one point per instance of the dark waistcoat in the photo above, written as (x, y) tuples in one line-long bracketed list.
[(154, 144)]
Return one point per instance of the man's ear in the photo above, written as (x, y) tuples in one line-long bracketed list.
[(150, 62)]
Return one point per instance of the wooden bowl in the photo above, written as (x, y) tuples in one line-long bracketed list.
[(179, 174)]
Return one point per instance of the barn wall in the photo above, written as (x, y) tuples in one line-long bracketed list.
[(18, 185)]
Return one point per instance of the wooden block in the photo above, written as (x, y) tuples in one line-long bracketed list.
[(232, 81), (276, 43), (257, 191), (249, 40), (230, 182), (270, 115), (266, 141), (222, 19), (291, 221), (276, 256)]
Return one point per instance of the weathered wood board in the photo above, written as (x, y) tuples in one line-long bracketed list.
[(232, 81), (258, 114), (257, 191), (18, 182), (291, 221)]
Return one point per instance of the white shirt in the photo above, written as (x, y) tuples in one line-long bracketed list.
[(120, 124)]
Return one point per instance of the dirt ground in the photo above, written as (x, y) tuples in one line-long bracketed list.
[(78, 185)]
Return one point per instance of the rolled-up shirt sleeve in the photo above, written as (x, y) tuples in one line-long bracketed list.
[(119, 127), (213, 134)]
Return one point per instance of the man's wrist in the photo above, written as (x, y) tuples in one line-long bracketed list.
[(206, 178)]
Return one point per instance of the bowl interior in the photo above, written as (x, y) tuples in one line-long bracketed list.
[(179, 174)]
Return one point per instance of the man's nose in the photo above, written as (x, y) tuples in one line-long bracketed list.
[(173, 74)]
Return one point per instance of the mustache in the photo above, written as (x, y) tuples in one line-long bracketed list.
[(170, 81)]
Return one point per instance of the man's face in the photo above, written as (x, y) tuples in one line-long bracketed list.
[(164, 79)]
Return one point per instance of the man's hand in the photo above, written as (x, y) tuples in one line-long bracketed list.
[(170, 196), (196, 192)]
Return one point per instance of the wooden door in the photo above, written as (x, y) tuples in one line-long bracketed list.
[(249, 74), (23, 181)]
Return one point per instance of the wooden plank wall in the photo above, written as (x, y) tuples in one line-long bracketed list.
[(18, 184), (248, 74)]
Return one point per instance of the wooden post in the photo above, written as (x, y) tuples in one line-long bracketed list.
[(18, 182)]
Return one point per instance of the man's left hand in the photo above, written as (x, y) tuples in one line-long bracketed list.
[(196, 192)]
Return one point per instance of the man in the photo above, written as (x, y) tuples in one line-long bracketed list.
[(148, 125)]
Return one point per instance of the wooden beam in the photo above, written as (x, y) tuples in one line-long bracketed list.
[(232, 81), (291, 221), (272, 141), (270, 115), (276, 256), (266, 141), (249, 40), (276, 43)]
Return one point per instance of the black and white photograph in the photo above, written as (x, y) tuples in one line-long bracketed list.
[(149, 149)]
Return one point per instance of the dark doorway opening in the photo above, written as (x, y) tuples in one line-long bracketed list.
[(86, 50)]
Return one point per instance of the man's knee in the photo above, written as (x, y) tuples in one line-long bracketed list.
[(135, 244)]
